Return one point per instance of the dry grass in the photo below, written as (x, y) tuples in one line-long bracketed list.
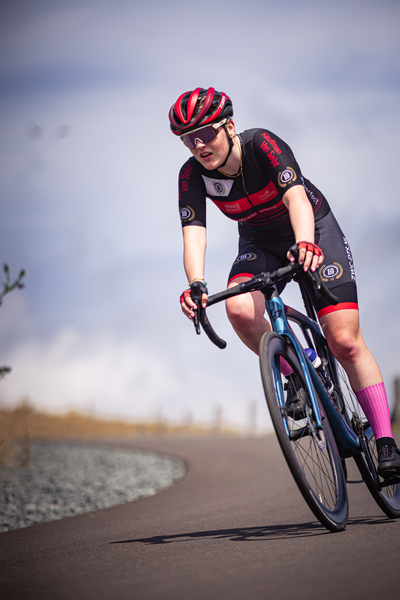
[(23, 424)]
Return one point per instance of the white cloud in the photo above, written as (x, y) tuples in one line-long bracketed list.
[(72, 370), (110, 377)]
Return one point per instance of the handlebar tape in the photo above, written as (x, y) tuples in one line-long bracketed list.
[(210, 331)]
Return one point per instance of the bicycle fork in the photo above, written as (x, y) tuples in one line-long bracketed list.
[(277, 314), (347, 441)]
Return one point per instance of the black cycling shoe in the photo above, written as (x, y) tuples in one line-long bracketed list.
[(388, 461), (296, 399)]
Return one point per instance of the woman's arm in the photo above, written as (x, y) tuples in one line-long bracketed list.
[(194, 251), (303, 225)]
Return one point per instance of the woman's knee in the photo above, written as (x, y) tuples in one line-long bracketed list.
[(346, 345), (240, 313), (244, 312), (343, 333)]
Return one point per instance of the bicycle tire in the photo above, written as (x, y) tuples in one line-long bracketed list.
[(311, 455), (388, 497)]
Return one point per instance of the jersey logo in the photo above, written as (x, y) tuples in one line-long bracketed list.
[(218, 187), (286, 176), (232, 208), (333, 271), (187, 213), (245, 256)]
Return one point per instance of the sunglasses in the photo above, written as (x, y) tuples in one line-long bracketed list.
[(205, 135)]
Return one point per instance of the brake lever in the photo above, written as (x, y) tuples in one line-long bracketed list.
[(322, 288), (315, 277), (196, 320), (196, 294), (294, 250)]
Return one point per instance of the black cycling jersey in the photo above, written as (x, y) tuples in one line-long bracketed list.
[(254, 196)]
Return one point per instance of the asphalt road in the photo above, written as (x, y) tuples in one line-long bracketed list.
[(235, 527)]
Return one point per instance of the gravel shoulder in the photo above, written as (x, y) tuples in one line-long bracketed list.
[(66, 479)]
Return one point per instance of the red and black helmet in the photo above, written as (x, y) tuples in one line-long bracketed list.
[(185, 114)]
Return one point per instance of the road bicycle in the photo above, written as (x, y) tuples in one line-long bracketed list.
[(333, 428)]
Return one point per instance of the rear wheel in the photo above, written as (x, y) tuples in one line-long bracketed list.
[(388, 496), (311, 453)]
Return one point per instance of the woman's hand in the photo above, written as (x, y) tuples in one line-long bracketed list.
[(310, 255), (187, 303)]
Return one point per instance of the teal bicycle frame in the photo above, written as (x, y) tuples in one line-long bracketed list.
[(347, 441)]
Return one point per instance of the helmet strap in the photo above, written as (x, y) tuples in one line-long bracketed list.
[(230, 140)]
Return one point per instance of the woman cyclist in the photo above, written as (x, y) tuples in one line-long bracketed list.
[(254, 179)]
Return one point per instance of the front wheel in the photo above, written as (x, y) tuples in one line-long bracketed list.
[(311, 454)]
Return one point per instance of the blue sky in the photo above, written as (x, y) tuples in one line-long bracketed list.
[(88, 171)]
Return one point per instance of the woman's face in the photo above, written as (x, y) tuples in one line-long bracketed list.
[(213, 154)]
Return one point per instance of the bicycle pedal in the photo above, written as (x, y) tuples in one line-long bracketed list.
[(299, 433)]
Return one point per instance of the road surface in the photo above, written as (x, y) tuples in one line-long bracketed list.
[(234, 528)]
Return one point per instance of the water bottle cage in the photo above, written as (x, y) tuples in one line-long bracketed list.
[(327, 383), (333, 390), (325, 377)]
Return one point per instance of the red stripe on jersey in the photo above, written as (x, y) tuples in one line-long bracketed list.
[(265, 195), (252, 216), (340, 306), (263, 216), (275, 212), (237, 206)]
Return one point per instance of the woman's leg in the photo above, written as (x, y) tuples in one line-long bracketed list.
[(246, 315), (345, 340), (342, 331)]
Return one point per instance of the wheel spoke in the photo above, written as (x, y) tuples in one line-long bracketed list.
[(316, 465), (318, 470)]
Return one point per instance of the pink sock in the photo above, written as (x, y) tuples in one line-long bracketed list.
[(374, 403), (285, 367)]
